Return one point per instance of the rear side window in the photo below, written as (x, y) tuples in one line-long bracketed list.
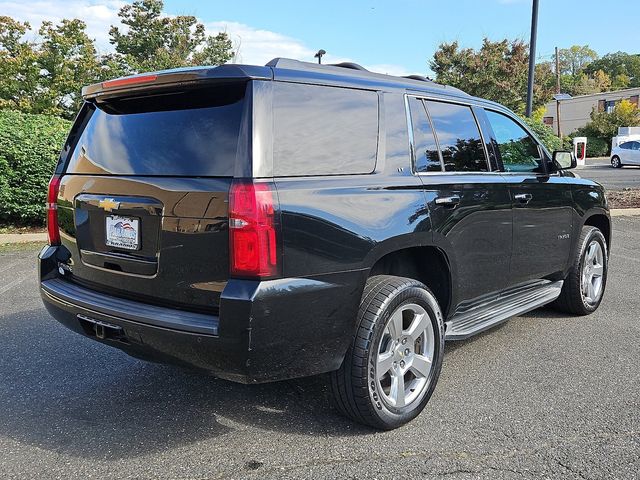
[(322, 130), (185, 133), (424, 141), (519, 151), (458, 136)]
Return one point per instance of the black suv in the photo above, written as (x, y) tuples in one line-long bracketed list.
[(265, 223)]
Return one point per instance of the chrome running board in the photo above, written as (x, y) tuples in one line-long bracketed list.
[(468, 321)]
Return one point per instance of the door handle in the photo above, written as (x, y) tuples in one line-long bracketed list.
[(451, 201), (523, 197)]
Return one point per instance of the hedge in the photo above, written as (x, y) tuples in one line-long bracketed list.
[(597, 147), (29, 148)]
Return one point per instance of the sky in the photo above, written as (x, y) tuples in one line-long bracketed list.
[(398, 37)]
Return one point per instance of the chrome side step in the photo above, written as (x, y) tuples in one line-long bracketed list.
[(476, 319)]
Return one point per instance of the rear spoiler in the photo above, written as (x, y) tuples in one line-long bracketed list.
[(178, 77)]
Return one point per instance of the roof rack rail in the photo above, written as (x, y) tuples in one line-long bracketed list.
[(418, 77), (351, 65)]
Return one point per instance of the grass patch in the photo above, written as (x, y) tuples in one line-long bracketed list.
[(17, 229), (21, 247)]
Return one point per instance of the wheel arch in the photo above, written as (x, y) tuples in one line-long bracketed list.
[(603, 223), (425, 263)]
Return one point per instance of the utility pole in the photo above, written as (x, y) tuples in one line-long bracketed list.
[(532, 56), (558, 92), (557, 71)]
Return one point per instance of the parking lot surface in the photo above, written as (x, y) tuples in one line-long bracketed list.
[(612, 178), (543, 395)]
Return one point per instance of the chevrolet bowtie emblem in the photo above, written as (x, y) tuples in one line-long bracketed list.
[(108, 204)]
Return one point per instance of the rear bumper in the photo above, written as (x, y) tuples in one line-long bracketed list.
[(266, 331)]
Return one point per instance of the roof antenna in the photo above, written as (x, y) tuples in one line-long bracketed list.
[(319, 55)]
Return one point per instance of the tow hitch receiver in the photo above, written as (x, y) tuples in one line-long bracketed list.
[(100, 329)]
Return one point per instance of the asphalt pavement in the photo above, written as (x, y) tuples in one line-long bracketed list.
[(543, 395), (611, 178)]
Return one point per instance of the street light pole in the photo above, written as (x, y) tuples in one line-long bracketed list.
[(319, 55), (532, 56)]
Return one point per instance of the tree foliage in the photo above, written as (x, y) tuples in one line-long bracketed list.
[(497, 71), (19, 69), (575, 58), (47, 76), (68, 61), (623, 68), (153, 41), (544, 133)]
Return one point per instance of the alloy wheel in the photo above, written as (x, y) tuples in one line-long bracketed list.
[(405, 356), (592, 272)]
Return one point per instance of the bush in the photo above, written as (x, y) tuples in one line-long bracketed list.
[(29, 149), (544, 133), (598, 147), (603, 126)]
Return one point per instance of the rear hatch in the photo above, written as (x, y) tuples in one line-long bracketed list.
[(143, 202)]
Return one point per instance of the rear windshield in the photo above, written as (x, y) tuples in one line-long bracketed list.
[(185, 133)]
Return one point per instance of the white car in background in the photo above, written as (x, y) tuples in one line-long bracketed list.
[(626, 153)]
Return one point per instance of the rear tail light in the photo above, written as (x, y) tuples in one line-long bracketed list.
[(252, 229), (53, 228)]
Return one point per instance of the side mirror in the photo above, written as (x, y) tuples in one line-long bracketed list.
[(564, 160)]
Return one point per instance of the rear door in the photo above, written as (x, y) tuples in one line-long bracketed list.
[(144, 197), (542, 202), (469, 205)]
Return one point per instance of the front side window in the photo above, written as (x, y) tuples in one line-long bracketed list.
[(458, 136), (424, 140), (626, 145), (519, 151)]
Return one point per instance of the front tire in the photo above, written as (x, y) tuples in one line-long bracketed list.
[(394, 361), (584, 287), (615, 162)]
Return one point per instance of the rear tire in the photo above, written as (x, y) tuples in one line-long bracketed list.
[(394, 361), (584, 287), (615, 162)]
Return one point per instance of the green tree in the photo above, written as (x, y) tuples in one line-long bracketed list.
[(217, 50), (68, 61), (583, 84), (498, 71), (543, 132), (544, 86), (46, 77), (623, 68), (153, 41), (575, 58), (19, 70)]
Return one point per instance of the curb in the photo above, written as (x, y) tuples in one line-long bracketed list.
[(12, 238), (623, 212)]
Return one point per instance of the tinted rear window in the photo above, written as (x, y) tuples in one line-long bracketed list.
[(323, 130), (458, 136), (188, 133)]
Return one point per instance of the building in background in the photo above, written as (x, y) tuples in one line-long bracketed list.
[(575, 111)]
